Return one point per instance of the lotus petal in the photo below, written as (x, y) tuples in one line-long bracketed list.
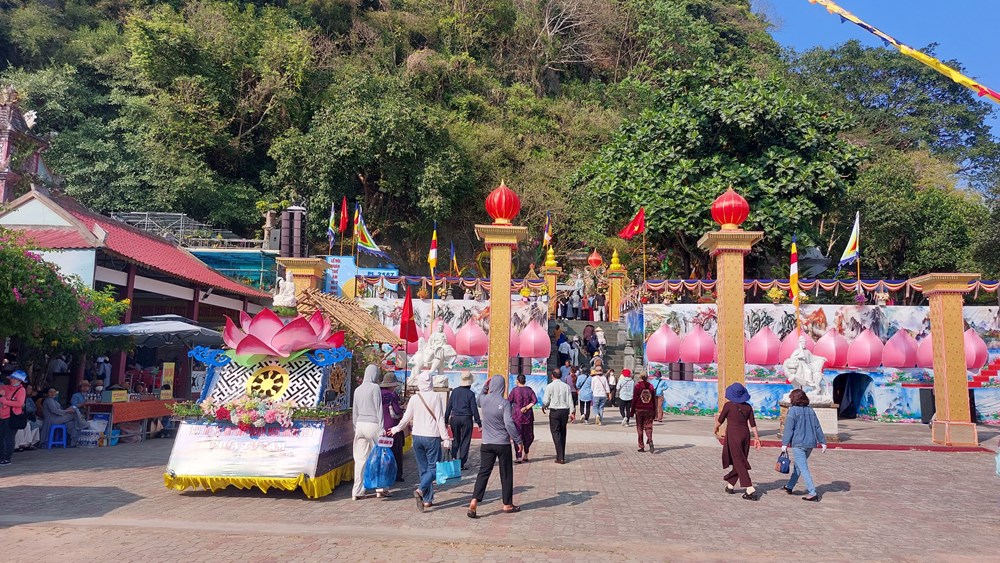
[(296, 335), (253, 345), (663, 345), (515, 343), (925, 352), (900, 351), (976, 352), (471, 340), (697, 347), (232, 335), (832, 346), (865, 351), (265, 325), (336, 340), (763, 348), (534, 341), (245, 321), (316, 321)]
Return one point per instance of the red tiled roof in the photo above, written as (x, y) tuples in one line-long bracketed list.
[(152, 251), (61, 238)]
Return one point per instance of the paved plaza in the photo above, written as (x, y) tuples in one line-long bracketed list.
[(607, 503)]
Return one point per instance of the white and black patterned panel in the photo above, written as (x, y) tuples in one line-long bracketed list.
[(304, 381)]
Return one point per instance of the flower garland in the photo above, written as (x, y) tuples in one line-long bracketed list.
[(250, 412)]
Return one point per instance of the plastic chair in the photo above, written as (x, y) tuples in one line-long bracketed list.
[(52, 436)]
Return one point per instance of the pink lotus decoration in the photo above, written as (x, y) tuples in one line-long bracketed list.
[(266, 335), (976, 352), (697, 347), (471, 340), (663, 345), (791, 343), (832, 346), (900, 351), (865, 351), (925, 353), (515, 343), (535, 342), (763, 348)]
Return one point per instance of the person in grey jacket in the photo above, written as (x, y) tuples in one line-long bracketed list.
[(498, 432), (802, 433), (366, 412)]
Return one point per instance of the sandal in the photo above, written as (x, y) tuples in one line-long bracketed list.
[(513, 509), (420, 499), (748, 496), (814, 498), (787, 490), (472, 514)]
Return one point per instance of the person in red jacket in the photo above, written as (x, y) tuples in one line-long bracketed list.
[(11, 403), (643, 408)]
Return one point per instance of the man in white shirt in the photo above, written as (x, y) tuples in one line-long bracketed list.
[(559, 400)]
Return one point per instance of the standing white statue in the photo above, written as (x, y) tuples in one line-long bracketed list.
[(805, 371), (434, 354), (285, 294)]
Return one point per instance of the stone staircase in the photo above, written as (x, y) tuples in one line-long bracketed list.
[(614, 353)]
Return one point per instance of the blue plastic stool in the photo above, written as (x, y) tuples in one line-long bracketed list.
[(52, 436)]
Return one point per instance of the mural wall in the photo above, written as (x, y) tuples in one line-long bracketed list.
[(876, 393)]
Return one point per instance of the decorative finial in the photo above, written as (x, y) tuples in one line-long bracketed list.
[(730, 210), (616, 264), (550, 258)]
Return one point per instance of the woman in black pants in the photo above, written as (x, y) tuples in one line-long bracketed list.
[(498, 431)]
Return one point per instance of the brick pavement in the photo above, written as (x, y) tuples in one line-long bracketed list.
[(608, 502)]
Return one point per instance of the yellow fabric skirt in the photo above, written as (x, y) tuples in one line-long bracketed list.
[(313, 487)]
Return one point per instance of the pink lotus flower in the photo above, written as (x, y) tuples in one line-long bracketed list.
[(266, 335)]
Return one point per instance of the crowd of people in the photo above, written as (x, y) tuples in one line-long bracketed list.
[(507, 425), (574, 305)]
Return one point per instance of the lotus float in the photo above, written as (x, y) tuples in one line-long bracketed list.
[(265, 335)]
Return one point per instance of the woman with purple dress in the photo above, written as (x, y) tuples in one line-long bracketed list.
[(522, 401)]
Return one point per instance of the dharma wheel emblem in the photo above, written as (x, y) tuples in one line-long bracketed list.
[(269, 381)]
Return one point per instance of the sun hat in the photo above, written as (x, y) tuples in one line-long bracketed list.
[(19, 375), (737, 393), (466, 378), (389, 381)]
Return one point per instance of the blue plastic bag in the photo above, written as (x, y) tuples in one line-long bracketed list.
[(448, 469), (380, 469)]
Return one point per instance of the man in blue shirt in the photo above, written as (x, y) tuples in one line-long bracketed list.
[(564, 371), (462, 410), (660, 385)]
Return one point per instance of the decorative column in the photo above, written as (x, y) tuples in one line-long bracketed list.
[(728, 246), (551, 272), (307, 273), (616, 280), (501, 239), (952, 425)]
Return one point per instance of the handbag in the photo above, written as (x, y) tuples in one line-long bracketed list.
[(783, 464), (17, 421), (448, 469), (380, 469)]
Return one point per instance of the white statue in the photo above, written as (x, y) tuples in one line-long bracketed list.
[(805, 371), (434, 354), (285, 294)]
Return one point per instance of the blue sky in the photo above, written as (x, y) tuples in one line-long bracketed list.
[(965, 30)]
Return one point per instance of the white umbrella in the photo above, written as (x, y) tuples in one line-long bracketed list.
[(154, 334)]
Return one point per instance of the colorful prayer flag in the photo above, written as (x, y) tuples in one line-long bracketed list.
[(454, 260), (363, 237), (432, 254), (853, 244), (636, 226), (793, 274), (331, 235), (547, 231)]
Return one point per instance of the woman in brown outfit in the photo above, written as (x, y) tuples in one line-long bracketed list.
[(736, 440)]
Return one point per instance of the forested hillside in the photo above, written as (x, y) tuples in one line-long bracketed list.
[(587, 108)]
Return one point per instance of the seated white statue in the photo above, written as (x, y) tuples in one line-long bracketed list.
[(285, 296), (805, 371), (433, 354)]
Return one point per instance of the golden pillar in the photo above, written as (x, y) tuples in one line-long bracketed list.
[(729, 245), (501, 240), (952, 425), (551, 272), (308, 273), (616, 281)]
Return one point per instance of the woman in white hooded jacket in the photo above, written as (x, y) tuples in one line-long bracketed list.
[(425, 411), (366, 412)]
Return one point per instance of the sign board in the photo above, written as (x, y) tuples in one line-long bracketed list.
[(167, 375), (166, 394), (223, 450), (114, 396), (342, 272)]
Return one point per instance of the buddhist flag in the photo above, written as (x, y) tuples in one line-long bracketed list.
[(454, 260), (343, 216), (331, 235), (432, 254), (636, 226), (793, 274), (853, 249), (363, 237), (547, 231)]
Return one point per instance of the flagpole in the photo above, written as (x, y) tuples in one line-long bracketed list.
[(433, 291), (644, 258)]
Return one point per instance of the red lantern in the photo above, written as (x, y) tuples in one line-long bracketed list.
[(730, 210), (595, 260), (503, 205)]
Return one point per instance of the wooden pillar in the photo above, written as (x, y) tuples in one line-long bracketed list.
[(616, 281), (118, 375), (195, 305), (952, 425), (552, 271), (729, 247), (501, 240)]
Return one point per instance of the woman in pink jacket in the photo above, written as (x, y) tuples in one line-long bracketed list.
[(11, 402)]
